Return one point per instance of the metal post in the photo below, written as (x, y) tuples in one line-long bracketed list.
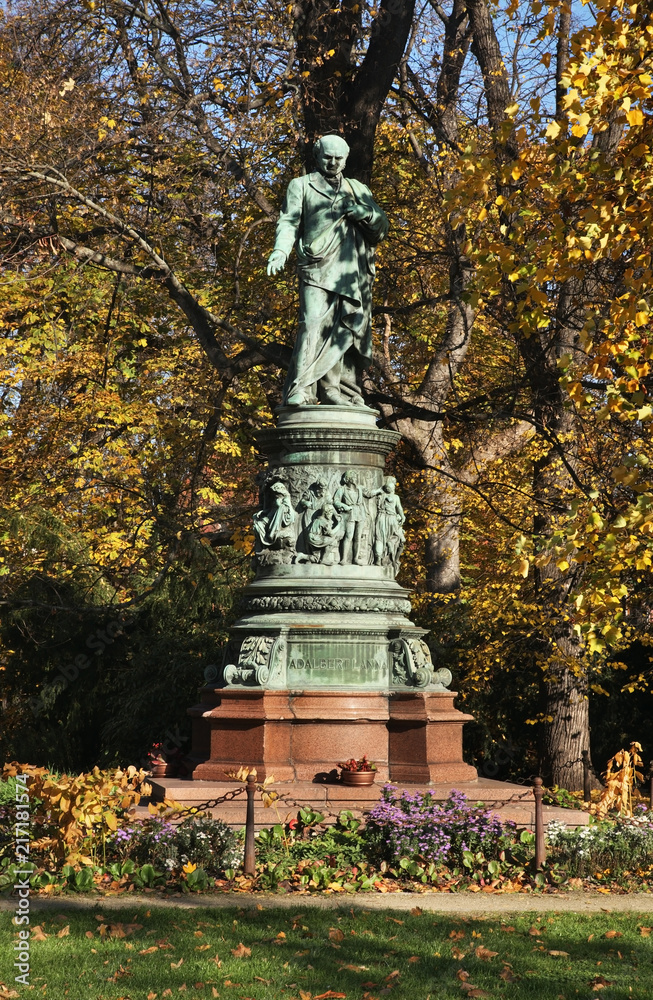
[(540, 849), (250, 854), (587, 781)]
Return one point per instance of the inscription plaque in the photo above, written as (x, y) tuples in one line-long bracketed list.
[(336, 664)]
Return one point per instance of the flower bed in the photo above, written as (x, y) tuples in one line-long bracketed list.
[(414, 823), (84, 839), (610, 850)]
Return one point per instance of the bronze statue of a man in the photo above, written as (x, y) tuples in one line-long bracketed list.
[(334, 224)]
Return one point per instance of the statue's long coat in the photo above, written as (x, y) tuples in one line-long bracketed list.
[(336, 256)]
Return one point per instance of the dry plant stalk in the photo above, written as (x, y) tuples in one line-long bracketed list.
[(620, 778), (267, 797)]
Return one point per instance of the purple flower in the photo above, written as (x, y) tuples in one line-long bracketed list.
[(414, 823)]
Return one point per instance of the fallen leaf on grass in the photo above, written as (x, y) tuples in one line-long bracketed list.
[(228, 982), (38, 933), (214, 992), (414, 958), (508, 975), (613, 934), (484, 953), (507, 928), (120, 930), (335, 934), (260, 979), (559, 954), (535, 931), (242, 951), (202, 947), (167, 993), (645, 931), (458, 954), (393, 975), (394, 920), (151, 996), (177, 965), (64, 932), (149, 951), (199, 986), (416, 911), (599, 983), (462, 974), (456, 935), (590, 938), (330, 993), (120, 973)]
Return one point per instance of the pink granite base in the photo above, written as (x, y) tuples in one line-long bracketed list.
[(413, 737)]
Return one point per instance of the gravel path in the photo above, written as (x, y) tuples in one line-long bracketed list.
[(477, 904)]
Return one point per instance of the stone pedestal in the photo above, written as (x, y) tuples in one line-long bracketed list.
[(323, 664), (300, 736)]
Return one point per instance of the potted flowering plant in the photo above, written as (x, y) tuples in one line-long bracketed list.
[(158, 762), (357, 772)]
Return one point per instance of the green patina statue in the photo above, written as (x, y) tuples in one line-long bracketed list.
[(334, 224)]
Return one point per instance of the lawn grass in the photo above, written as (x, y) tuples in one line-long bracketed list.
[(300, 954)]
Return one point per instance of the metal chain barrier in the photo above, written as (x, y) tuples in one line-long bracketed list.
[(209, 804)]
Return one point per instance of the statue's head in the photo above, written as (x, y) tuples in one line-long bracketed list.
[(389, 484), (331, 152), (349, 478)]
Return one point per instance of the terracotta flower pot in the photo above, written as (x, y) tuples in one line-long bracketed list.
[(357, 777), (160, 770)]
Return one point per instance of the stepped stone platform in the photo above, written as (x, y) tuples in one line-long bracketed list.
[(510, 801)]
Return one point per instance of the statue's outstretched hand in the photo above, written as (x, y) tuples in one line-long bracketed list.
[(276, 261)]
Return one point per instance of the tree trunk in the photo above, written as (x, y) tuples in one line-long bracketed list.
[(565, 709), (442, 555), (565, 734), (337, 93)]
